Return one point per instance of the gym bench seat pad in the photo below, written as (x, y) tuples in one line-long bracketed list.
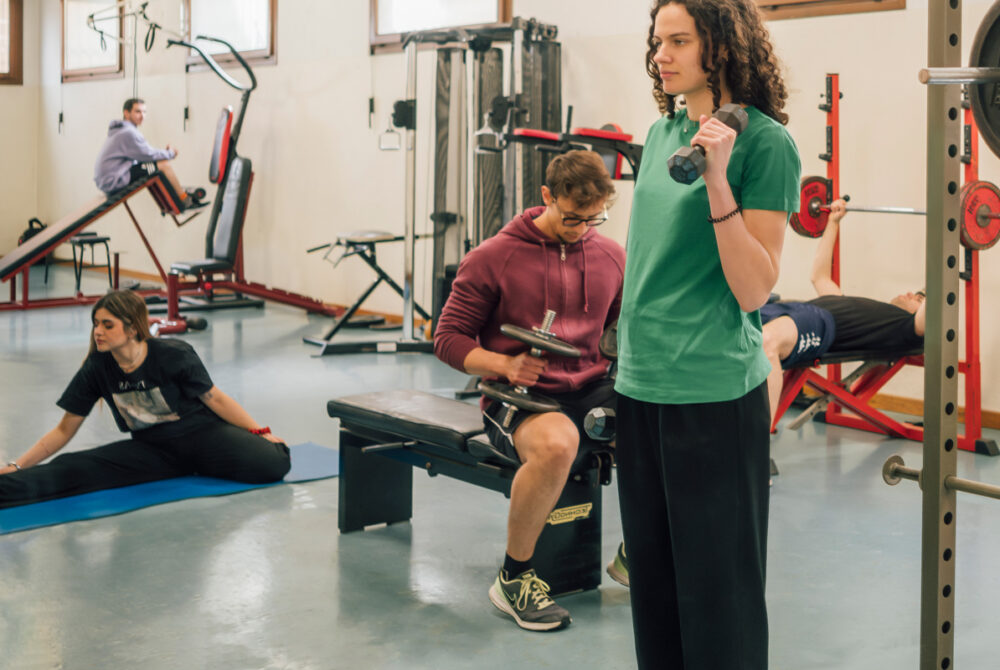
[(366, 237), (204, 265), (412, 415), (859, 356)]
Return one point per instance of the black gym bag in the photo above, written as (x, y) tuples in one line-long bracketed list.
[(35, 226)]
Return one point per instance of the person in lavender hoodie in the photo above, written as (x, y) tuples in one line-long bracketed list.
[(126, 156), (548, 257)]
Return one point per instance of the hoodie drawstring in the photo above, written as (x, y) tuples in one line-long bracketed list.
[(545, 257), (586, 294)]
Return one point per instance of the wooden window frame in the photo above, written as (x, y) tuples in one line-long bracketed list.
[(94, 73), (267, 56), (16, 46), (796, 9), (391, 41)]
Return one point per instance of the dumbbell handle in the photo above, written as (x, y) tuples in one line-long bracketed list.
[(550, 316)]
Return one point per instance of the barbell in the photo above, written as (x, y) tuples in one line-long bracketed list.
[(980, 211)]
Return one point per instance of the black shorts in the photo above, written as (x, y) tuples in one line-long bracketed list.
[(575, 405), (140, 171), (815, 325)]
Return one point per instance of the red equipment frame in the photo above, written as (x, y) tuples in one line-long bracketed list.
[(856, 391), (160, 193)]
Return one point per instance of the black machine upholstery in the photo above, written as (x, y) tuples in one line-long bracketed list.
[(415, 414), (856, 356), (222, 238)]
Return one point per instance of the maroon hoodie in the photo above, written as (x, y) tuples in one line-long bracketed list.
[(515, 276)]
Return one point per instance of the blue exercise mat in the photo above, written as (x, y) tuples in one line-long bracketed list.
[(309, 462)]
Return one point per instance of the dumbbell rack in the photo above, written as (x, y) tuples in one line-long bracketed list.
[(971, 439)]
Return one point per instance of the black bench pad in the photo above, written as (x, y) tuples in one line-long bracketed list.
[(413, 415), (833, 358)]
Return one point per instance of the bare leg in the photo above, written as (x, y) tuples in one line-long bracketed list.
[(168, 172), (547, 444), (780, 338)]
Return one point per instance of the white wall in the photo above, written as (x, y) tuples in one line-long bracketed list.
[(318, 170), (18, 140)]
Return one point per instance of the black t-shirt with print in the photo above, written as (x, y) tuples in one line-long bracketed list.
[(157, 400)]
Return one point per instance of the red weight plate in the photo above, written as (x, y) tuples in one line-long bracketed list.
[(811, 221), (980, 200)]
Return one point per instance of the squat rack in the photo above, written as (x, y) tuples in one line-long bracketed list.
[(938, 479)]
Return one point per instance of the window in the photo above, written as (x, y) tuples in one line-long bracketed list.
[(390, 18), (794, 9), (88, 54), (249, 25), (11, 28)]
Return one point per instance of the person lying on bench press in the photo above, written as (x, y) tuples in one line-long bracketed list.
[(127, 157), (548, 257), (797, 333), (158, 389)]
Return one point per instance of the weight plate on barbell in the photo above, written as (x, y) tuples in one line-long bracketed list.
[(984, 98), (980, 200), (532, 402), (537, 341), (809, 221)]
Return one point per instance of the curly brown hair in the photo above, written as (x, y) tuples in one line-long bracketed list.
[(734, 28)]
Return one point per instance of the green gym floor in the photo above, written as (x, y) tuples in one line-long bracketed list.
[(263, 579)]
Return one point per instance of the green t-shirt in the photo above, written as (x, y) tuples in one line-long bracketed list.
[(682, 337)]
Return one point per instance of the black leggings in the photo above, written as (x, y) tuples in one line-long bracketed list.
[(693, 487), (216, 450)]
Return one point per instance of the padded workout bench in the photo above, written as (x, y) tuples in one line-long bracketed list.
[(384, 435), (854, 393)]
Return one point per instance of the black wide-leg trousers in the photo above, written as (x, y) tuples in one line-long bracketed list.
[(216, 450), (693, 487)]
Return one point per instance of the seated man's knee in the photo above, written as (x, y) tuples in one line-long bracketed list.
[(553, 442)]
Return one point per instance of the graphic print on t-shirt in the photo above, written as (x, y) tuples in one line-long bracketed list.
[(144, 408)]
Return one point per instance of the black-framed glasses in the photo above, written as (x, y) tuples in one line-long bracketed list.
[(573, 221)]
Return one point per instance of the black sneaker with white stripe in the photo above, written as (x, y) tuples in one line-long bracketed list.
[(526, 599)]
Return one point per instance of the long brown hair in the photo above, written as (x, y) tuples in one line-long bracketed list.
[(735, 29), (126, 306)]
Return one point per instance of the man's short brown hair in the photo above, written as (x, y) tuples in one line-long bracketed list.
[(132, 102), (581, 176)]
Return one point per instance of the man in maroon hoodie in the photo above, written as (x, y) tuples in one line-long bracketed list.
[(547, 258)]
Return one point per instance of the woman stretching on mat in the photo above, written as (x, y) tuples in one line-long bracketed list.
[(159, 390), (692, 419)]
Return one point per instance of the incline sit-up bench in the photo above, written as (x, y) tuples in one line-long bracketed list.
[(384, 435), (34, 250)]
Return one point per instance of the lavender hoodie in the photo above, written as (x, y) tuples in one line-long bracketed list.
[(124, 147), (516, 275)]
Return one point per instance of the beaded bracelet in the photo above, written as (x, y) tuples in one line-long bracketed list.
[(261, 431), (726, 216)]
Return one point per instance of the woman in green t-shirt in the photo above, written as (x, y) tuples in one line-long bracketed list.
[(693, 410)]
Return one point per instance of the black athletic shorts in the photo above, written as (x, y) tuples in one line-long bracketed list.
[(815, 325), (575, 405), (140, 171)]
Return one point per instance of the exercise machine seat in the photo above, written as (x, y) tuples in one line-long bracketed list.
[(415, 415), (860, 356)]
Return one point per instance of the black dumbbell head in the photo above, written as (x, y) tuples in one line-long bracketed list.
[(686, 164), (733, 116)]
